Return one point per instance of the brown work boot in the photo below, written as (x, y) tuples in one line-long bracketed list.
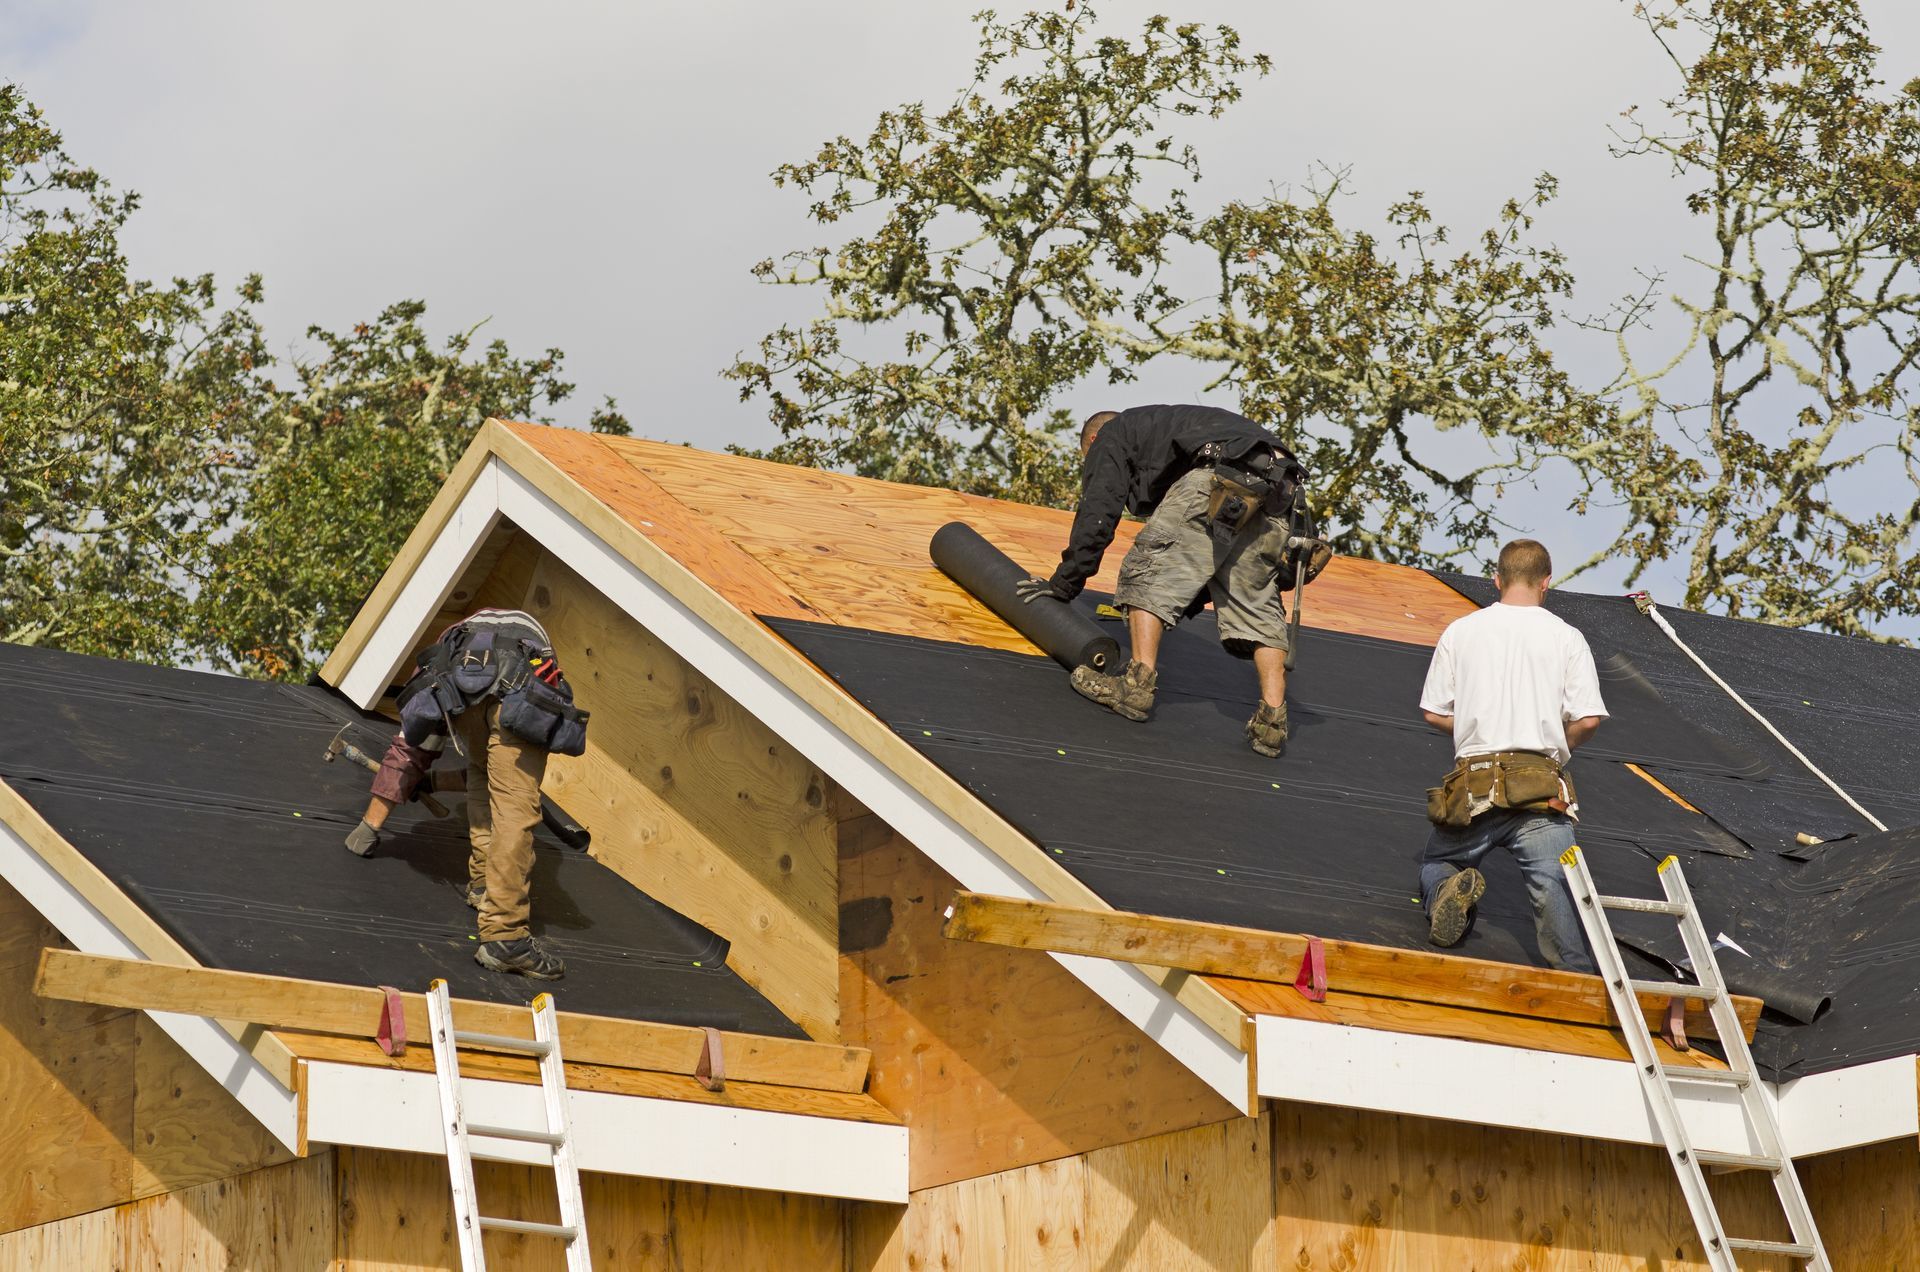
[(1129, 694), (1453, 907), (526, 956), (1267, 731)]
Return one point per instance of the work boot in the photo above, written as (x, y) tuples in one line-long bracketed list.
[(1453, 907), (1129, 694), (476, 893), (526, 956), (362, 840), (1267, 731)]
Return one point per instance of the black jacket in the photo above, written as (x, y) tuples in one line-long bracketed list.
[(1137, 457)]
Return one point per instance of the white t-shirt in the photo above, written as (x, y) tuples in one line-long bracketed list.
[(1511, 676)]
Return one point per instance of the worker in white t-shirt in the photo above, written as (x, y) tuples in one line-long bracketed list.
[(1516, 689)]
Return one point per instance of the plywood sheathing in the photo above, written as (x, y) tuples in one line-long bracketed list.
[(993, 1057), (694, 801), (802, 543), (279, 1219), (97, 1105)]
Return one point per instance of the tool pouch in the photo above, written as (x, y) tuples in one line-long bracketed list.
[(1234, 504), (544, 715), (1510, 779)]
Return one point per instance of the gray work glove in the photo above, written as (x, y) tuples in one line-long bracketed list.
[(1031, 590), (362, 840)]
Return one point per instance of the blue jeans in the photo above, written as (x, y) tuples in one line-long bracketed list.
[(1536, 841)]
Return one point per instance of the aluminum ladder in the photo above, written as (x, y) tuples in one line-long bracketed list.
[(557, 1136), (1657, 1080)]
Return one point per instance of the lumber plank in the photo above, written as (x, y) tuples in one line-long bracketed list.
[(280, 1002), (1400, 1015), (846, 1106), (799, 676), (1249, 954)]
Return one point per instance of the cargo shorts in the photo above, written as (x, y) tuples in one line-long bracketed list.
[(1179, 552)]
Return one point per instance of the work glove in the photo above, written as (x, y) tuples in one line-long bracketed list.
[(1031, 590), (362, 840)]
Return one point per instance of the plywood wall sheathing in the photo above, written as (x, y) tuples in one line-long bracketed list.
[(993, 1057), (97, 1105), (395, 1217), (280, 1219), (695, 801)]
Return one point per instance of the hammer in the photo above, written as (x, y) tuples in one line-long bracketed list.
[(340, 746)]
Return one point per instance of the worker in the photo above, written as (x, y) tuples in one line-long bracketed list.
[(1222, 498), (1515, 687), (491, 683)]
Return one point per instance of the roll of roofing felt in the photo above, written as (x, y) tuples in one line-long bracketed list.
[(990, 575)]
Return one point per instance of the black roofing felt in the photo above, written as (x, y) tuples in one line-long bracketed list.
[(205, 798), (1178, 817)]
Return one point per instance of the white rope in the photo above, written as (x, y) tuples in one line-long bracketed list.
[(1648, 608)]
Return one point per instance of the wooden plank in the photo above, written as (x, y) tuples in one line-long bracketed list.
[(993, 1059), (280, 1217), (280, 1002), (187, 1129), (695, 801), (784, 664), (852, 1106), (1199, 1199), (1867, 1203), (120, 910), (381, 599), (1399, 1015), (1247, 953)]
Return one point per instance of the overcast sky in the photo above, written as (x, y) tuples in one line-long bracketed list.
[(594, 176)]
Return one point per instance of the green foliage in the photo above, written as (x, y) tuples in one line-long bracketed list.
[(163, 496), (119, 401), (1353, 348), (346, 460), (998, 227), (1772, 446)]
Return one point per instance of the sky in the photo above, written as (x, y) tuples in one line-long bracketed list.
[(594, 176)]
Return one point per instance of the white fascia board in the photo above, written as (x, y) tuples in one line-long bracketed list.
[(1843, 1108), (502, 492), (371, 1107), (426, 590), (1462, 1081), (211, 1047)]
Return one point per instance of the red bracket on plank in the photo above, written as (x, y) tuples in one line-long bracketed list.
[(712, 1068), (1677, 1024), (392, 1033), (1312, 980)]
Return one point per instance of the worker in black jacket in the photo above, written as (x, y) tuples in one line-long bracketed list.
[(1223, 499)]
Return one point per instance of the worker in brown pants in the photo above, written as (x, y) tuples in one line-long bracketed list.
[(504, 767)]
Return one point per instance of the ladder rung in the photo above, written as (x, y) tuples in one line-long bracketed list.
[(1674, 989), (1736, 1161), (1758, 1246), (482, 1155), (1643, 905), (516, 1133), (500, 1042), (564, 1231), (1687, 1073)]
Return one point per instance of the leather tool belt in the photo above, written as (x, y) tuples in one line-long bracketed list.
[(1525, 780)]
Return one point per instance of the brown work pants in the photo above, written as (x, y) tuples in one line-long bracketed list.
[(503, 807)]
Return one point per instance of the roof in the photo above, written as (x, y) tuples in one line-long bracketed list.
[(802, 593), (186, 826)]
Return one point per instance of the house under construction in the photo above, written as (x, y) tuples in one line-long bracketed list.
[(886, 951)]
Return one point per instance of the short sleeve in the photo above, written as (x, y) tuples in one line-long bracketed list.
[(1437, 695), (1582, 681)]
